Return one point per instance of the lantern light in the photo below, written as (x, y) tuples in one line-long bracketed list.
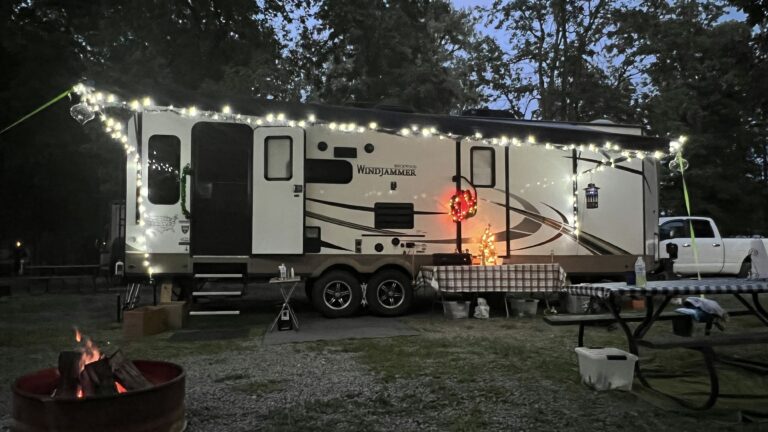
[(591, 192)]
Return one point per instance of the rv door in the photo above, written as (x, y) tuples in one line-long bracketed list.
[(278, 191)]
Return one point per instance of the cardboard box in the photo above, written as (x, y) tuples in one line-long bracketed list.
[(176, 313), (144, 321)]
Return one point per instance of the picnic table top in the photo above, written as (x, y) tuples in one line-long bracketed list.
[(672, 287)]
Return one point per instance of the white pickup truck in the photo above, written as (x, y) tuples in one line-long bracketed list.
[(717, 255)]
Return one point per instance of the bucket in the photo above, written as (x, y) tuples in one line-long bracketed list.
[(523, 307), (456, 309)]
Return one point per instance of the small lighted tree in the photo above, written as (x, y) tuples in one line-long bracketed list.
[(488, 247)]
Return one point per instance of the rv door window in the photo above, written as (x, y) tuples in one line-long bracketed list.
[(163, 164), (278, 158), (483, 167)]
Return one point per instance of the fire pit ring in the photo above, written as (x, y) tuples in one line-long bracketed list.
[(158, 408)]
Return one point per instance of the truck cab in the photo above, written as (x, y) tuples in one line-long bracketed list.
[(716, 255)]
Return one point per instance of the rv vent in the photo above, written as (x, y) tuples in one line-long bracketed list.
[(393, 215)]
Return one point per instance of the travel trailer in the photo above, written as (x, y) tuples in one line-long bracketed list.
[(355, 200)]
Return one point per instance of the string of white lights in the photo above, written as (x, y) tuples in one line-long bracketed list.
[(96, 103)]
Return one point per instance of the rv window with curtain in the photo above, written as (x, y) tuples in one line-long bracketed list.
[(278, 158), (163, 169), (483, 167)]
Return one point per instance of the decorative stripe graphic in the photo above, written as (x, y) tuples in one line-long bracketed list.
[(367, 209), (351, 225), (327, 245)]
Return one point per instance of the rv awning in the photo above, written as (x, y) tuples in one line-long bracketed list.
[(560, 133)]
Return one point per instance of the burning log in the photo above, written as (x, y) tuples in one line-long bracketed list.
[(96, 379), (127, 373), (69, 372)]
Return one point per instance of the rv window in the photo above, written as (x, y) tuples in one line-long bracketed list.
[(163, 163), (483, 167), (330, 171), (278, 158)]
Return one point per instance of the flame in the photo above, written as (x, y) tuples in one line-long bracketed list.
[(78, 336), (80, 394), (120, 388)]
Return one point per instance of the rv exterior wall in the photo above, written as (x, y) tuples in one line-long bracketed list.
[(419, 171)]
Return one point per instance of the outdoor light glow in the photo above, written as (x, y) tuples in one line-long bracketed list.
[(226, 109)]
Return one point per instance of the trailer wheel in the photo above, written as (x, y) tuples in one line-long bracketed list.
[(389, 293), (337, 294), (746, 267)]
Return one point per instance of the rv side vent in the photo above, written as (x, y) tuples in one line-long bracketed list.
[(220, 268), (393, 215), (327, 171), (345, 152)]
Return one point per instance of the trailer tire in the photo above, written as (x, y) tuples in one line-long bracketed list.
[(337, 294), (389, 293), (746, 267)]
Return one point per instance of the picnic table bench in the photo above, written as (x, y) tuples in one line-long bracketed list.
[(585, 320), (705, 345), (48, 273)]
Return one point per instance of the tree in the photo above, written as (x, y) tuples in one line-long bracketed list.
[(697, 73), (556, 67), (418, 53)]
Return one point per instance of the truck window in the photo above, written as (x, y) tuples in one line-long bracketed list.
[(672, 230), (703, 229), (278, 158), (483, 166), (163, 163)]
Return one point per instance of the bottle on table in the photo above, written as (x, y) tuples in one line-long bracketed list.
[(640, 279)]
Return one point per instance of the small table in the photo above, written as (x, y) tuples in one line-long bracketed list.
[(287, 293)]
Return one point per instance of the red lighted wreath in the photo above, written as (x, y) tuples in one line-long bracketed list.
[(463, 205)]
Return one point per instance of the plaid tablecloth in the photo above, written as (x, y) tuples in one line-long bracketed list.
[(498, 278), (671, 287)]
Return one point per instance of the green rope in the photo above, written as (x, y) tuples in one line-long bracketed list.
[(186, 171), (46, 105), (681, 162)]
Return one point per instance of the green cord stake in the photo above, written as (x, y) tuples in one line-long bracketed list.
[(44, 106), (681, 164)]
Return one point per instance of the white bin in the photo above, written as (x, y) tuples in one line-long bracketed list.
[(606, 368)]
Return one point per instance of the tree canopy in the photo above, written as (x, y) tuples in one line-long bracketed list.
[(677, 67)]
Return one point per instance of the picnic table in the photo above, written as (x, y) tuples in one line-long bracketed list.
[(610, 292), (505, 278)]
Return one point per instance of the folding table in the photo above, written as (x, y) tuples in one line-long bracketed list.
[(287, 292)]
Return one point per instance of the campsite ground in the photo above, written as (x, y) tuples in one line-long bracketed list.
[(462, 375)]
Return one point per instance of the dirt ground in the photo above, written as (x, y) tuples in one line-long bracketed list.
[(456, 375)]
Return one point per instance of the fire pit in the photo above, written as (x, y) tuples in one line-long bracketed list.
[(159, 407)]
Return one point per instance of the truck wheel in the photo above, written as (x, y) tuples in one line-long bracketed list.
[(746, 267), (337, 294), (389, 293)]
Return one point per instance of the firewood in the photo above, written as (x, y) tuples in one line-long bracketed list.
[(69, 369), (126, 372), (96, 379)]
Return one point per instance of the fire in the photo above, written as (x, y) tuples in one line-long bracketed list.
[(120, 388), (90, 351), (78, 336), (80, 394)]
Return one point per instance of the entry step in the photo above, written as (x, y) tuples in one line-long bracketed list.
[(220, 312), (219, 276), (217, 293)]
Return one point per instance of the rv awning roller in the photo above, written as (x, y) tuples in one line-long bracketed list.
[(551, 132)]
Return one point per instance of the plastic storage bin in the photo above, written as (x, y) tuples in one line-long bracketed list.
[(456, 309), (523, 307), (606, 368)]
